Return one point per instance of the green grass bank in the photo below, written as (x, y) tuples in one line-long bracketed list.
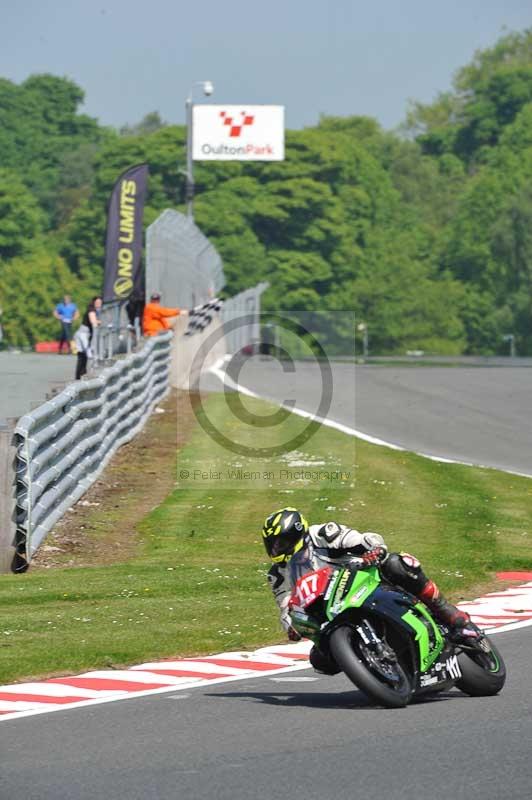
[(196, 582)]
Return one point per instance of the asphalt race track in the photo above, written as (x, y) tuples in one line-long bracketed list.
[(26, 378), (481, 415), (302, 735), (295, 735)]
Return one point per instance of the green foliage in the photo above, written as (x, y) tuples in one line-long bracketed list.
[(150, 123), (405, 305), (424, 235), (20, 216), (192, 585), (489, 93), (39, 127), (30, 288)]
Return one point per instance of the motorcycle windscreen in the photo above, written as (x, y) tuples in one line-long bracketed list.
[(300, 564)]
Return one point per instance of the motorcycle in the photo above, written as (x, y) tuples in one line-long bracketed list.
[(385, 640)]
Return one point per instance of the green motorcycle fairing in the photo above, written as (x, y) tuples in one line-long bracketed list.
[(351, 589), (364, 588)]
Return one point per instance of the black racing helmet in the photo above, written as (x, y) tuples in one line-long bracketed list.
[(283, 534)]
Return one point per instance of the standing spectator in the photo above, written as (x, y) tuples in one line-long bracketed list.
[(266, 346), (135, 312), (135, 308), (83, 338), (66, 312), (155, 318)]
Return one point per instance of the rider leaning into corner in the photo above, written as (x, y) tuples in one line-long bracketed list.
[(295, 549)]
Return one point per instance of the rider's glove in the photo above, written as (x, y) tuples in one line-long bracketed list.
[(373, 557), (286, 622), (293, 635)]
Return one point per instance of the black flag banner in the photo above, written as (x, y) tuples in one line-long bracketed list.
[(201, 316), (123, 245)]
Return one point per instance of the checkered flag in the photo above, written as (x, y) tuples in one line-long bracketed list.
[(201, 317)]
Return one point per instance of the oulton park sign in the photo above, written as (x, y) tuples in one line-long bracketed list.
[(237, 133)]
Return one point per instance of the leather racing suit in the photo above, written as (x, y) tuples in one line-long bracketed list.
[(331, 543)]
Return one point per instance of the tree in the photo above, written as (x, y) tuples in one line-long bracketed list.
[(30, 287), (404, 304), (39, 126), (488, 94), (20, 217), (150, 123)]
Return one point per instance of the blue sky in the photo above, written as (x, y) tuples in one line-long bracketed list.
[(338, 57)]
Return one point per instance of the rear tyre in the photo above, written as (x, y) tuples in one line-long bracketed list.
[(483, 671), (380, 677)]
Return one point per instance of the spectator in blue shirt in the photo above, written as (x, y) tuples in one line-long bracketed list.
[(66, 312)]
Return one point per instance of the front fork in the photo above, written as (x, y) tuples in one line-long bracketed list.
[(367, 634), (373, 641)]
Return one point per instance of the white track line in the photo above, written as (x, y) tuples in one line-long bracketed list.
[(140, 676), (219, 371), (55, 690), (191, 684), (196, 666)]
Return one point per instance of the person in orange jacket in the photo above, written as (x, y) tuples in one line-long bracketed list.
[(155, 317)]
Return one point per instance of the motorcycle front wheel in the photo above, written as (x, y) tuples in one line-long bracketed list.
[(380, 676), (483, 670)]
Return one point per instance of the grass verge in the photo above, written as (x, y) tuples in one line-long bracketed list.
[(195, 582)]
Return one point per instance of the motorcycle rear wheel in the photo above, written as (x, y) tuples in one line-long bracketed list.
[(385, 682), (483, 673)]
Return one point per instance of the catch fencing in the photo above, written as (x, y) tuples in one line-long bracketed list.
[(62, 446), (181, 263), (241, 319)]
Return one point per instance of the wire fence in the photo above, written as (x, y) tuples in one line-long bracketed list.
[(241, 319), (181, 263), (186, 269)]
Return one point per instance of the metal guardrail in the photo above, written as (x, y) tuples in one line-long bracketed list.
[(63, 445), (109, 341), (114, 335)]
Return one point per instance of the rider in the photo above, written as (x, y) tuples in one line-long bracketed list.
[(288, 537)]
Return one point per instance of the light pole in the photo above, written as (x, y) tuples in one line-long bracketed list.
[(363, 328), (208, 89), (509, 337)]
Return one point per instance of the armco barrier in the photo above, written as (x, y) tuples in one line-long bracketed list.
[(58, 450), (62, 446), (7, 495)]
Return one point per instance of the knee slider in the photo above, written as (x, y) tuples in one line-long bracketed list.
[(396, 567), (411, 564), (405, 570)]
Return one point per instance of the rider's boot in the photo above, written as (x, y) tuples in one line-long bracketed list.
[(405, 570), (322, 663), (459, 622)]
